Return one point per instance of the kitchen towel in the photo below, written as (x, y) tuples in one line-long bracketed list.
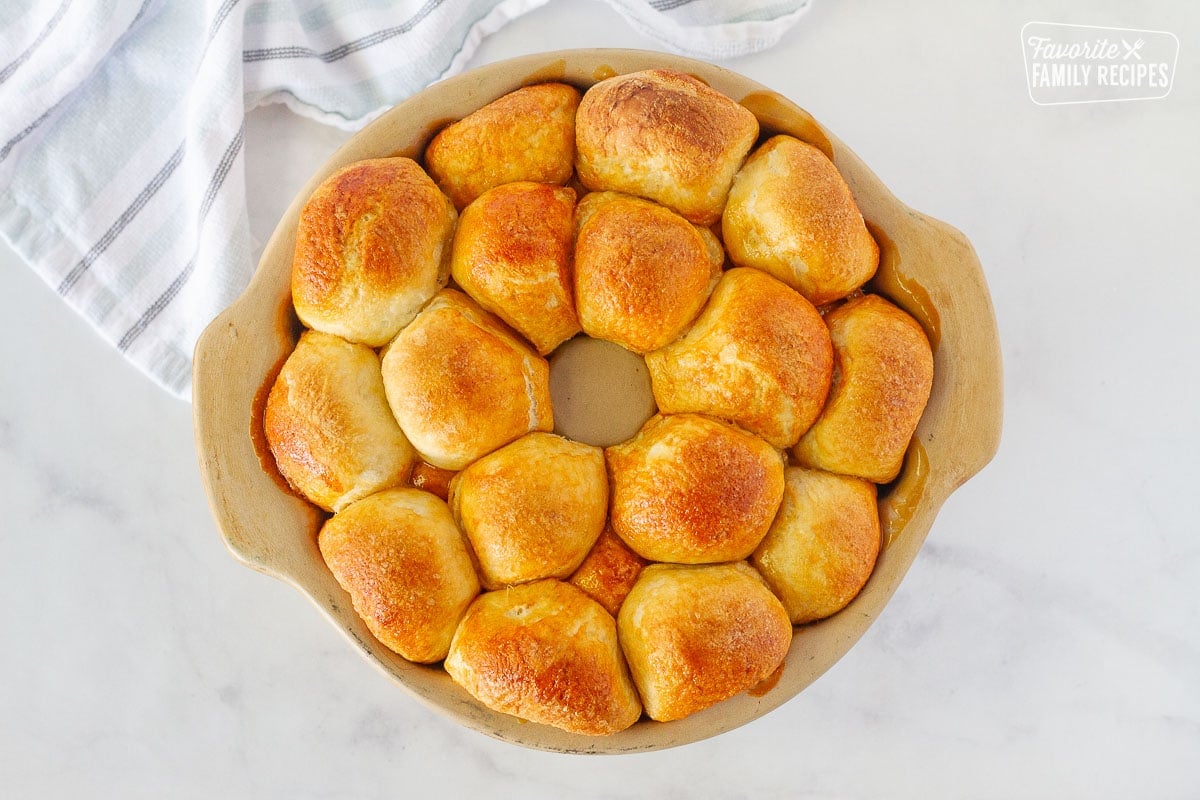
[(121, 158)]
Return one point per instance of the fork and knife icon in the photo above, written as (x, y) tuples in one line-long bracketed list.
[(1132, 49)]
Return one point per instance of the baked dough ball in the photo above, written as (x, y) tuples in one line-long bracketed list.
[(405, 565), (328, 424), (526, 135), (533, 508), (642, 272), (758, 355), (823, 544), (666, 136), (513, 251), (609, 571), (461, 384), (372, 246), (695, 636), (548, 653), (791, 214), (691, 490), (883, 373), (593, 201)]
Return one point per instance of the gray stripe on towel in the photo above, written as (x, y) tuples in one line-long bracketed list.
[(151, 188), (667, 5), (15, 64), (340, 52), (123, 220), (214, 187)]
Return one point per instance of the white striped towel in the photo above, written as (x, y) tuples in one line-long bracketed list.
[(121, 165)]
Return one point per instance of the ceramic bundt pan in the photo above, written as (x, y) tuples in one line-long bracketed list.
[(927, 268)]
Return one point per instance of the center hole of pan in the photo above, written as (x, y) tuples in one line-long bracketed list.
[(600, 391)]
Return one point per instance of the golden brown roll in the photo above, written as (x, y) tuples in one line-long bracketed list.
[(372, 246), (526, 135), (609, 571), (791, 214), (823, 544), (882, 376), (405, 565), (663, 135), (548, 653), (513, 251), (533, 508), (593, 201), (642, 272), (694, 636), (328, 424), (691, 490), (758, 355), (461, 384)]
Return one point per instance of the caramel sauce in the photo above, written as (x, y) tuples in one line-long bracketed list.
[(920, 306), (776, 114), (899, 503), (903, 289), (768, 683), (287, 329), (551, 73), (434, 480)]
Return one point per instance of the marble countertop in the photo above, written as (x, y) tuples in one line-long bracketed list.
[(1046, 642)]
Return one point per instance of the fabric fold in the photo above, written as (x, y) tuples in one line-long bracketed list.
[(122, 179)]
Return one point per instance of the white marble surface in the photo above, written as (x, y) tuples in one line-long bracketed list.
[(1045, 644)]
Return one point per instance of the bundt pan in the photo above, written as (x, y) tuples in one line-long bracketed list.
[(926, 267)]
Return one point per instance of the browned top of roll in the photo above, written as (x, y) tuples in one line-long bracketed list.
[(758, 355), (791, 213), (695, 636), (513, 252), (372, 246), (526, 135), (692, 490), (642, 272), (663, 135), (532, 509), (883, 374), (461, 384), (548, 653), (406, 568), (328, 424), (823, 543)]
